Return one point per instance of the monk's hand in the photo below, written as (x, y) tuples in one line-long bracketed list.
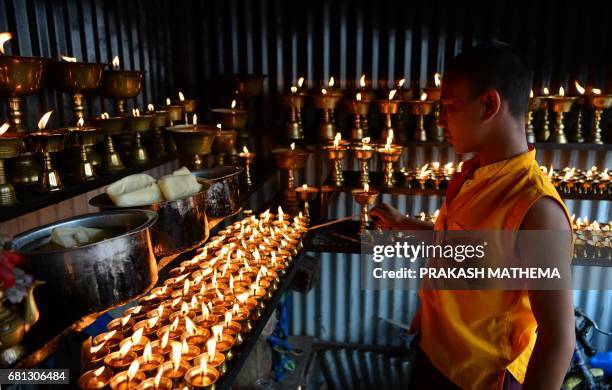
[(386, 216)]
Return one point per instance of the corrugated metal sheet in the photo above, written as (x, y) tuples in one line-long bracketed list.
[(95, 31)]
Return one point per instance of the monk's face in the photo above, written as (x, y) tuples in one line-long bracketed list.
[(462, 116)]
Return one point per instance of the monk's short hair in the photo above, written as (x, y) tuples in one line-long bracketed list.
[(494, 65)]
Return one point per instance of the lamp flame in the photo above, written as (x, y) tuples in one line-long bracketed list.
[(300, 82), (331, 82), (125, 348), (337, 138), (437, 80), (217, 332), (194, 119), (147, 354), (115, 62), (165, 338), (44, 119), (362, 81), (181, 96), (423, 96), (125, 320), (109, 335), (4, 128), (150, 107), (176, 355), (323, 91), (228, 318), (137, 336), (579, 87), (131, 372), (104, 115), (365, 140), (135, 112), (358, 96), (401, 83), (189, 326), (293, 89), (203, 367), (233, 105), (99, 371), (174, 324), (292, 146), (366, 187), (392, 94), (4, 37), (561, 91), (158, 377), (531, 93), (69, 59), (545, 91), (167, 101), (93, 350), (596, 91), (211, 347), (184, 309)]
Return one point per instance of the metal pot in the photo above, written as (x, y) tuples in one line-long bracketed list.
[(96, 276), (223, 195), (181, 223)]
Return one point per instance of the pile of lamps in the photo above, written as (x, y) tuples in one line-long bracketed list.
[(184, 333), (592, 239), (571, 180)]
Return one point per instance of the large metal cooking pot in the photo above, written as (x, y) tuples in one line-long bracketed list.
[(223, 195), (181, 223), (96, 276)]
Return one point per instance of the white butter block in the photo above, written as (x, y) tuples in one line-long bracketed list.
[(182, 171), (141, 197), (178, 186), (71, 237), (129, 184)]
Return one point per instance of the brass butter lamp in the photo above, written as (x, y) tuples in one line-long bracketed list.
[(294, 101), (535, 103), (10, 142), (189, 106), (223, 143), (138, 123), (83, 136), (231, 118), (365, 197), (110, 125), (47, 142), (336, 153), (359, 109), (434, 94), (560, 104), (327, 100), (389, 154), (388, 107), (290, 159), (364, 151), (306, 194), (599, 102), (420, 108), (160, 120), (118, 84), (192, 142)]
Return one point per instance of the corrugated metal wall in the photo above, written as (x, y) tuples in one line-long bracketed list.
[(138, 31)]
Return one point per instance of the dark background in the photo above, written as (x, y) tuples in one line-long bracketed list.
[(183, 44)]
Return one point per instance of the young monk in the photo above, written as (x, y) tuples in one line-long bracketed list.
[(487, 339)]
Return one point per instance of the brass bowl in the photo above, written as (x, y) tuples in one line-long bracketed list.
[(138, 123), (421, 107), (46, 141), (160, 118), (110, 126), (294, 100), (121, 84), (386, 106), (74, 76), (561, 103), (328, 101), (21, 76), (535, 103), (189, 105), (358, 107), (224, 141), (82, 136), (291, 159), (10, 144), (193, 140), (247, 85), (230, 118), (600, 102), (405, 95)]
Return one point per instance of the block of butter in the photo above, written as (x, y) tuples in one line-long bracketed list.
[(70, 237), (135, 190), (182, 171), (177, 186)]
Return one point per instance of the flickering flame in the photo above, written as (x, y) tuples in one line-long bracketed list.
[(104, 115), (158, 377), (194, 119), (181, 96), (459, 166), (579, 87), (152, 322), (228, 318), (185, 347), (366, 187), (435, 165), (150, 107), (388, 144), (217, 332), (569, 174), (109, 335), (184, 309), (531, 93), (115, 62), (186, 287), (69, 59), (165, 338), (300, 82), (358, 96), (135, 112), (596, 91), (292, 146), (176, 355), (160, 310), (147, 354), (174, 324), (125, 320), (44, 119), (125, 348), (233, 105), (203, 367), (331, 82), (392, 94), (545, 91), (131, 372), (293, 89), (167, 101), (93, 350), (362, 81), (4, 128), (437, 80), (99, 371), (400, 83), (137, 336), (281, 214), (4, 37), (211, 347), (551, 171), (323, 91), (337, 138), (435, 215), (561, 91), (423, 96)]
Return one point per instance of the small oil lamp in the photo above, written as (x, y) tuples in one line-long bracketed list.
[(535, 102), (118, 84), (294, 101), (9, 148), (363, 153), (434, 93), (47, 142), (290, 159), (162, 345), (159, 382), (560, 104), (365, 197), (160, 120), (189, 351), (327, 100), (223, 143), (97, 353), (422, 176), (189, 105), (248, 160), (306, 194), (232, 118), (404, 94), (174, 112), (224, 341), (389, 155), (599, 103), (336, 153), (366, 92), (111, 161), (120, 360), (544, 133), (122, 324), (581, 103), (149, 362), (138, 123), (420, 108), (202, 376), (137, 341), (359, 107), (129, 379), (109, 339), (176, 368), (83, 136), (388, 107), (95, 379), (212, 356)]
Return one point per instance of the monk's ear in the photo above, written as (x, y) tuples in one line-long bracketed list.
[(491, 103)]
